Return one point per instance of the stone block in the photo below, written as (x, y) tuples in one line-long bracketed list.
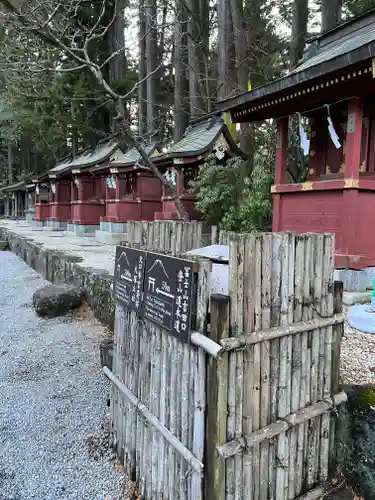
[(109, 238), (55, 300), (82, 229)]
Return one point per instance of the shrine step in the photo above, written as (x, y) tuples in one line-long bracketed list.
[(109, 238)]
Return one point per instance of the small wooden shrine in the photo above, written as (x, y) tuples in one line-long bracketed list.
[(331, 98), (18, 198), (88, 193), (41, 200), (132, 191), (59, 179), (182, 161)]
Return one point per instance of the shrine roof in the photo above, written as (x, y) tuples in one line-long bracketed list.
[(132, 157), (200, 137), (86, 158), (346, 45), (15, 186)]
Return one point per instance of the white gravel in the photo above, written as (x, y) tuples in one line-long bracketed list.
[(53, 396), (357, 357)]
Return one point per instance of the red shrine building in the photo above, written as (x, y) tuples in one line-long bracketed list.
[(181, 163), (69, 196), (133, 193), (331, 93)]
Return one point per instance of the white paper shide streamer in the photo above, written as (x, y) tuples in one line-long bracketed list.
[(332, 132), (304, 141)]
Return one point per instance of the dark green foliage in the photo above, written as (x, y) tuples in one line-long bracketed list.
[(356, 439), (229, 199), (356, 7)]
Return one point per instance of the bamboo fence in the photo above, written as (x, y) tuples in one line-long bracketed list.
[(246, 410), (274, 388), (158, 399)]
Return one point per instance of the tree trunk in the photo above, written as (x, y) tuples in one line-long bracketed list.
[(151, 64), (10, 163), (142, 91), (181, 82), (299, 31), (331, 13), (227, 54), (116, 42), (196, 56)]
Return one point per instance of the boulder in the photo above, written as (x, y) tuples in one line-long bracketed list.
[(4, 245), (56, 300)]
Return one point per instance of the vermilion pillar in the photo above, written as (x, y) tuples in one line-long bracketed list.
[(351, 175), (280, 169)]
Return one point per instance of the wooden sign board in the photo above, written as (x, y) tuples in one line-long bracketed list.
[(129, 277), (168, 290)]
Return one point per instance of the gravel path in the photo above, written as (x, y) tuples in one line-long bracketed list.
[(52, 399), (357, 357)]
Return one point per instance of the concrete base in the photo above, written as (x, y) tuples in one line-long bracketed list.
[(82, 229), (351, 298), (109, 238), (362, 318), (29, 215), (38, 223), (353, 280), (56, 224), (113, 227)]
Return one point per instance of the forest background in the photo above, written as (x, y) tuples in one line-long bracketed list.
[(72, 72)]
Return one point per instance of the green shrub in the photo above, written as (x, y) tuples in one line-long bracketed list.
[(232, 201)]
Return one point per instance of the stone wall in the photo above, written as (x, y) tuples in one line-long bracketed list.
[(58, 267), (356, 439)]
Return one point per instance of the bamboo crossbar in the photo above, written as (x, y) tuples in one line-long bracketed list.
[(155, 422), (234, 447), (208, 345), (232, 343)]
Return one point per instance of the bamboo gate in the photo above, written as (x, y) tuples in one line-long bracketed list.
[(246, 410)]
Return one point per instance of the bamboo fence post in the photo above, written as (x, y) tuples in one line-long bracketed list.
[(296, 435), (337, 334), (274, 355), (198, 355), (282, 441), (265, 361), (328, 300), (231, 422), (249, 315), (239, 366), (217, 400)]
